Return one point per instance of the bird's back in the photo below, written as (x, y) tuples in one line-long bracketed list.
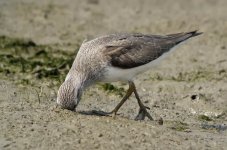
[(125, 51), (132, 50)]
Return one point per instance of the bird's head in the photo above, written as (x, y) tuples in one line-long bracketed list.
[(69, 95)]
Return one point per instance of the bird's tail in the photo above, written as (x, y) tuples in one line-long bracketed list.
[(180, 37)]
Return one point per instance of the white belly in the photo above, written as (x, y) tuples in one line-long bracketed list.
[(117, 74)]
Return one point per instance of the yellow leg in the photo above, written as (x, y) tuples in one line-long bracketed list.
[(115, 110), (143, 109), (127, 95)]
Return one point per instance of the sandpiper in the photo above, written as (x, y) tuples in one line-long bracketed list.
[(116, 57)]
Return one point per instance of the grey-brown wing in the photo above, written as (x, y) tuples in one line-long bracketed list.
[(136, 50)]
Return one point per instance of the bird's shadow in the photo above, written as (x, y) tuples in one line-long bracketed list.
[(140, 116), (94, 113)]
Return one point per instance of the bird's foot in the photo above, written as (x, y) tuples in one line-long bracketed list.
[(143, 113)]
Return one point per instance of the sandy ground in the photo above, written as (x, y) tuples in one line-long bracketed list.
[(188, 89)]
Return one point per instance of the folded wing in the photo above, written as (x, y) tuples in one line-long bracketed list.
[(136, 49)]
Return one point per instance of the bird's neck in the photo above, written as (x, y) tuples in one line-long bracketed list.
[(77, 79)]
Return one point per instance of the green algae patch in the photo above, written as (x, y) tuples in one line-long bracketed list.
[(24, 62), (6, 42), (110, 88), (179, 126), (204, 118)]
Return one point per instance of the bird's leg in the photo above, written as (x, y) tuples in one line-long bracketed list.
[(127, 95), (115, 110), (143, 109)]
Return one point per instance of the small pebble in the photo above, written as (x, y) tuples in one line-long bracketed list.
[(223, 47), (193, 97)]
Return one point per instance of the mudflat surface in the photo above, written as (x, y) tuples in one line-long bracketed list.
[(188, 89)]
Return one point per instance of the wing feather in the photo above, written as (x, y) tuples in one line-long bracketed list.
[(137, 49)]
